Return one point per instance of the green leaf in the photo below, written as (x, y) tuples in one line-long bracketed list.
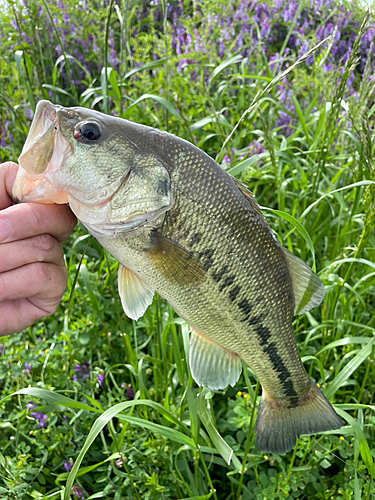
[(228, 62), (64, 475), (103, 420), (348, 369), (222, 446), (344, 188), (149, 65), (57, 89), (20, 55), (112, 78), (160, 100), (167, 432), (362, 441), (300, 229), (210, 119), (52, 397), (344, 341), (240, 167), (203, 497)]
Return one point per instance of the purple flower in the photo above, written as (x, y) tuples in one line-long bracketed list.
[(27, 368), (29, 114), (68, 464), (83, 371), (27, 39), (129, 393), (41, 418), (30, 405), (77, 492), (100, 379), (1, 349), (226, 160), (255, 147), (2, 140)]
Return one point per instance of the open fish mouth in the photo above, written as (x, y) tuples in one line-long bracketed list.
[(43, 154)]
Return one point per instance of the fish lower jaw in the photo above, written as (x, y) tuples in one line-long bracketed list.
[(106, 230)]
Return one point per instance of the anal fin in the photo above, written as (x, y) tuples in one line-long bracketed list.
[(211, 365), (135, 295)]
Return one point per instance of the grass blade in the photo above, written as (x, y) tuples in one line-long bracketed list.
[(222, 446), (345, 373), (300, 229)]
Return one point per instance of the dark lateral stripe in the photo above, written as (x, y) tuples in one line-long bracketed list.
[(283, 374), (234, 292), (227, 281), (245, 307), (206, 258), (220, 273), (264, 333), (195, 238)]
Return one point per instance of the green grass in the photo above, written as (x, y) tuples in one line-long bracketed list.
[(173, 440)]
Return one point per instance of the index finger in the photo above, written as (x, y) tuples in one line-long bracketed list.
[(30, 219), (8, 172)]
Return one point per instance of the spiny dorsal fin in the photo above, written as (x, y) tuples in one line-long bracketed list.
[(249, 196), (211, 365), (174, 262), (308, 289), (135, 295)]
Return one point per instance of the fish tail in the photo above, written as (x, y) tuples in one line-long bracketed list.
[(278, 426)]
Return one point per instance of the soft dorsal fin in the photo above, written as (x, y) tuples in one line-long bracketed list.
[(135, 295), (308, 289), (249, 196), (211, 365)]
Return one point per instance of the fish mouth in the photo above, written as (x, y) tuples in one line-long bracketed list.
[(43, 154)]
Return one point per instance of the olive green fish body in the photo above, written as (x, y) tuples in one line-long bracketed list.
[(180, 225)]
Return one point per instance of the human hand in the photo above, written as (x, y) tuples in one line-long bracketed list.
[(33, 276)]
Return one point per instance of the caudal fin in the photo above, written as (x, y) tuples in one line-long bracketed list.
[(278, 427)]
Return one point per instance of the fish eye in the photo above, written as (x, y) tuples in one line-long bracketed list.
[(89, 131)]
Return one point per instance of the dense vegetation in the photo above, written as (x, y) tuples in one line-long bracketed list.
[(261, 88)]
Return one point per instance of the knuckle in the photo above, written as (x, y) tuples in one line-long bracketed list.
[(44, 243), (41, 272)]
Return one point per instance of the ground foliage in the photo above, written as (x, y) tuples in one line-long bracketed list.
[(113, 399)]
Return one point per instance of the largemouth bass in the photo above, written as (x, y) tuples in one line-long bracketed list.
[(181, 226)]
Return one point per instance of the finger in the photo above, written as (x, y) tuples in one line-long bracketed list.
[(8, 172), (19, 314), (41, 248), (29, 219), (38, 281)]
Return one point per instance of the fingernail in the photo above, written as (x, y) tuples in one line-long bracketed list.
[(4, 230)]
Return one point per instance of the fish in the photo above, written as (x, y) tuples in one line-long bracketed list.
[(181, 226)]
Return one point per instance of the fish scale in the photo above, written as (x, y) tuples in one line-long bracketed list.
[(233, 212), (181, 226)]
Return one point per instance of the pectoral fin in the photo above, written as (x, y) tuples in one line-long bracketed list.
[(211, 365), (308, 289), (173, 262), (135, 295)]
